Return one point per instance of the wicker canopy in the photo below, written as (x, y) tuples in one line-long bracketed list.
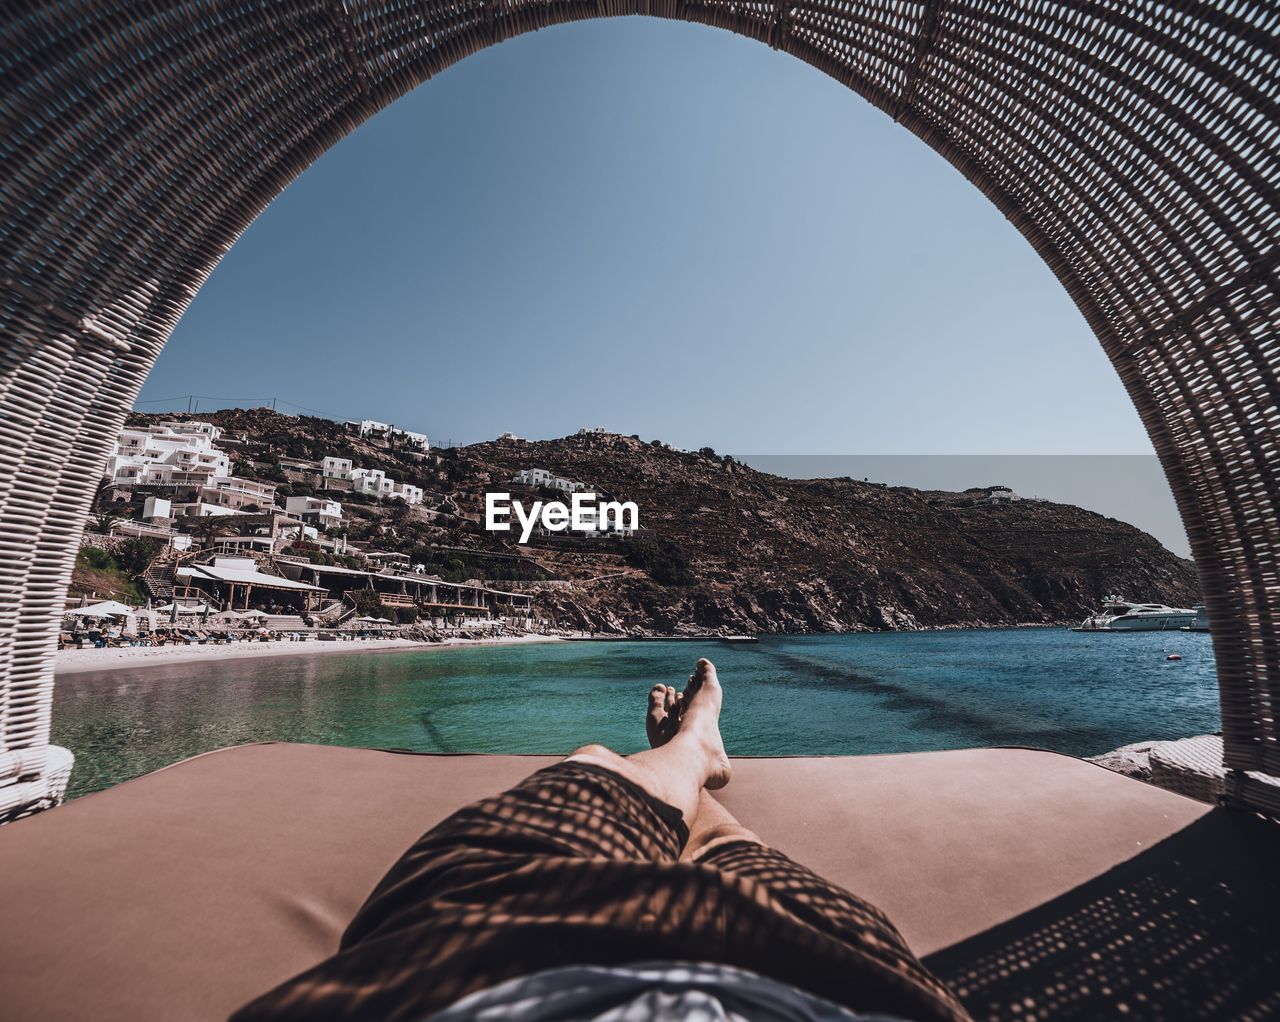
[(1135, 145)]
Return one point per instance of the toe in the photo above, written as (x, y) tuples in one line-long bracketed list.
[(655, 719)]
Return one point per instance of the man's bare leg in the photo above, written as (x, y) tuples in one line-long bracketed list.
[(713, 824), (690, 757)]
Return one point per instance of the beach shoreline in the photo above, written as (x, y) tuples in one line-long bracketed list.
[(71, 662)]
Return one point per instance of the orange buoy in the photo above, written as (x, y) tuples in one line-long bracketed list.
[(1174, 656)]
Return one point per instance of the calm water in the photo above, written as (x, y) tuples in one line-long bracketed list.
[(1075, 693)]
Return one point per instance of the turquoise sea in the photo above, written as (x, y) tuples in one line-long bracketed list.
[(1072, 692)]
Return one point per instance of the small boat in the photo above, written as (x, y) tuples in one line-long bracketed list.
[(1119, 615), (1201, 621)]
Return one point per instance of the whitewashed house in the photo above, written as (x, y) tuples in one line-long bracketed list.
[(610, 527), (532, 477), (159, 456), (371, 481), (407, 492), (544, 477), (372, 429), (207, 428), (336, 468), (318, 511), (368, 427), (239, 494), (418, 440)]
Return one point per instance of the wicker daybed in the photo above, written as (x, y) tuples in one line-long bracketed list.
[(1134, 145)]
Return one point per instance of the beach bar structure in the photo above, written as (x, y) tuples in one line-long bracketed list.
[(236, 583), (396, 589), (1135, 145)]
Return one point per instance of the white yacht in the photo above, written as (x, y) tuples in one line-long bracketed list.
[(1201, 622), (1119, 615)]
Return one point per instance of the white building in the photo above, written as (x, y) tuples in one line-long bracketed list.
[(203, 509), (157, 507), (532, 477), (543, 477), (239, 494), (371, 481), (407, 492), (613, 527), (418, 440), (160, 456), (318, 511), (336, 468), (368, 427), (207, 428), (244, 545), (372, 429)]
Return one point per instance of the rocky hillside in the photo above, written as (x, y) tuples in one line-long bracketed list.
[(727, 547), (771, 554)]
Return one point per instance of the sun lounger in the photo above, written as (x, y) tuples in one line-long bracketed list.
[(1020, 874)]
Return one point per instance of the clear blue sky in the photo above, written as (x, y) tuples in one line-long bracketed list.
[(659, 228)]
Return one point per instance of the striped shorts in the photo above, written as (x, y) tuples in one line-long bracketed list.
[(576, 865)]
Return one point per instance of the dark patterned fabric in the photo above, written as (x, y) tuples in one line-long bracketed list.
[(577, 865)]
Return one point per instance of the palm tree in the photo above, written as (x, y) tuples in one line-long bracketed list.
[(104, 513), (209, 527)]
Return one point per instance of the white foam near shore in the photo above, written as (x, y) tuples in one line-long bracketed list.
[(79, 661)]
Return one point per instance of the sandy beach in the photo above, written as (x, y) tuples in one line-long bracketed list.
[(79, 661)]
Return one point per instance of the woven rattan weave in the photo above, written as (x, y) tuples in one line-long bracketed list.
[(1135, 145)]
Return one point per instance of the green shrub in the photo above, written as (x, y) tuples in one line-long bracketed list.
[(136, 553), (664, 560), (96, 558)]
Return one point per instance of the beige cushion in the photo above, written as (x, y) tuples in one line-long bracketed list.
[(185, 893)]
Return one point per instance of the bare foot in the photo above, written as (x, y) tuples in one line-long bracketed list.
[(693, 717), (663, 718)]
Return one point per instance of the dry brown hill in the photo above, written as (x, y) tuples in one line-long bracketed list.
[(727, 547)]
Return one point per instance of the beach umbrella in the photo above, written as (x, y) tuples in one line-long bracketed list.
[(107, 608), (144, 615)]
